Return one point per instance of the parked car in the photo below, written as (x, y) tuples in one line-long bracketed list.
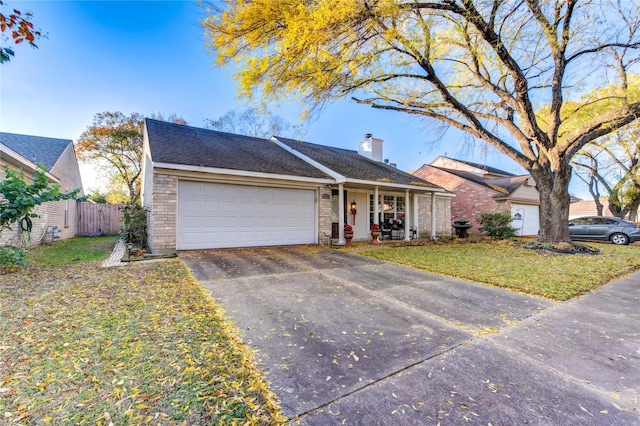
[(602, 228)]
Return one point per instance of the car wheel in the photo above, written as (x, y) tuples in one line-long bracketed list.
[(619, 239)]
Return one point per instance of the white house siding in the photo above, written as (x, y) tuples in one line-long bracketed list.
[(526, 192), (528, 222)]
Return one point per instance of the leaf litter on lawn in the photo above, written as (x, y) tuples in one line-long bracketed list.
[(143, 343)]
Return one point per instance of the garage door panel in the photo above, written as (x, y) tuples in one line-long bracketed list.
[(529, 222), (221, 215)]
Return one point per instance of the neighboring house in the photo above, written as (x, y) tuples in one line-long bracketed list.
[(580, 208), (480, 189), (209, 189), (23, 152)]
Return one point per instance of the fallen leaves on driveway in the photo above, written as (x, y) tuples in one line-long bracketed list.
[(133, 345)]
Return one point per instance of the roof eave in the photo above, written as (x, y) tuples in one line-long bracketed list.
[(240, 173), (395, 185), (12, 157)]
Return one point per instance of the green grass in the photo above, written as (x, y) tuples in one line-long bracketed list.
[(140, 344), (71, 251), (540, 273)]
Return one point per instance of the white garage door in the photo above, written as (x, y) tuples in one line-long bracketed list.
[(212, 215), (526, 219)]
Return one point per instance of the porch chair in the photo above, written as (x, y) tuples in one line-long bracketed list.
[(330, 239)]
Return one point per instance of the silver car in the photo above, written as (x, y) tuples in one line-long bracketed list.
[(602, 228)]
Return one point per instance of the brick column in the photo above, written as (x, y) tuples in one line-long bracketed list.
[(163, 217), (324, 212)]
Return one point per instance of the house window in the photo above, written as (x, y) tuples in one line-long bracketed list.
[(390, 207), (335, 206)]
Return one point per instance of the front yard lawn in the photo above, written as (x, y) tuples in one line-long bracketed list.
[(141, 344), (540, 273)]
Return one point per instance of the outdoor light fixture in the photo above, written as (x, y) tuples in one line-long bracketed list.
[(129, 247), (517, 216), (353, 206)]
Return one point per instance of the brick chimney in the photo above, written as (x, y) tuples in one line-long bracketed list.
[(371, 147)]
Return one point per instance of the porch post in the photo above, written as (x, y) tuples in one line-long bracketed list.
[(416, 215), (341, 240), (376, 213), (433, 215), (406, 215)]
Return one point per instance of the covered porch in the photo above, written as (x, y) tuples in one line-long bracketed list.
[(402, 212)]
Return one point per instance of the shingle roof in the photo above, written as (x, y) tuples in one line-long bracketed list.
[(179, 144), (352, 165), (36, 149), (506, 185), (484, 167)]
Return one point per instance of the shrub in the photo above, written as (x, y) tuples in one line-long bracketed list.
[(134, 225), (497, 225), (10, 255)]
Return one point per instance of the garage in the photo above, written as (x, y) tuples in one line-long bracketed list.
[(526, 219), (215, 215)]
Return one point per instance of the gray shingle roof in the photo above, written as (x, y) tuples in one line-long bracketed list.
[(37, 149), (484, 167), (505, 186), (352, 165), (179, 144)]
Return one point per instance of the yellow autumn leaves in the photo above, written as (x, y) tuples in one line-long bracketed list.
[(135, 345)]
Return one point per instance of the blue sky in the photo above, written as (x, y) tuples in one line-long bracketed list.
[(150, 57)]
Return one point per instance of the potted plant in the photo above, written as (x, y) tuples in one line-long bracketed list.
[(348, 233), (375, 233)]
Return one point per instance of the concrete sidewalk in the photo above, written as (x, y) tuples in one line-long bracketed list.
[(352, 340)]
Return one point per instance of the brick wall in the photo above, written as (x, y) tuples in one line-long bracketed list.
[(471, 199), (162, 219), (442, 216), (324, 212)]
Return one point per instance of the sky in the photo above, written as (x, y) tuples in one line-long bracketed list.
[(150, 57)]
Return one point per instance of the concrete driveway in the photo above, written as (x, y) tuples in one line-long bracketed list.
[(351, 340)]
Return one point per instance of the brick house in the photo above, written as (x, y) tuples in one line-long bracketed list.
[(23, 152), (209, 189), (480, 189)]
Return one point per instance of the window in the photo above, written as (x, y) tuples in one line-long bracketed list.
[(603, 221), (390, 207)]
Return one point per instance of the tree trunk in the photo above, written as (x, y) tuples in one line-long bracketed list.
[(633, 210), (595, 193), (553, 186)]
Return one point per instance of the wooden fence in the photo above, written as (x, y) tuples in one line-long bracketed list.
[(98, 219)]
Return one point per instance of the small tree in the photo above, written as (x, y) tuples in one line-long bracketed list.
[(497, 225), (18, 198)]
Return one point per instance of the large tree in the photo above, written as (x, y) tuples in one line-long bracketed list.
[(481, 66), (613, 163), (115, 139)]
